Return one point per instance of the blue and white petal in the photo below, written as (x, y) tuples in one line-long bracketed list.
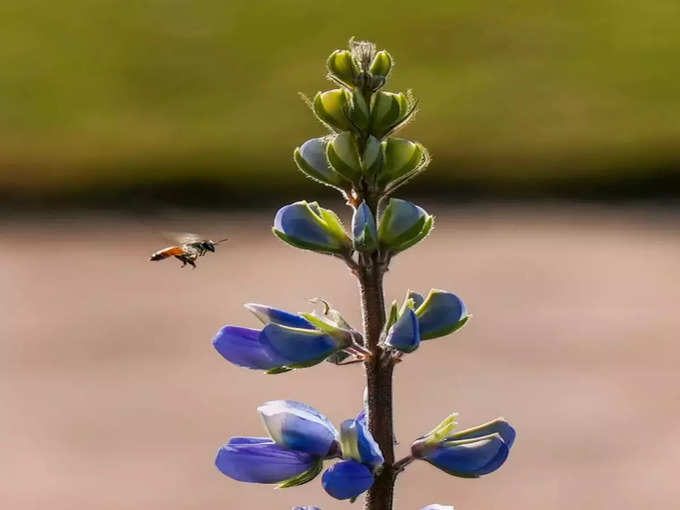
[(297, 426), (268, 315)]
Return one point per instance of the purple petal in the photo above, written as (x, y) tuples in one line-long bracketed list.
[(263, 462), (347, 479), (242, 347)]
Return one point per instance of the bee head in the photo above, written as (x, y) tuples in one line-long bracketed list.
[(209, 245)]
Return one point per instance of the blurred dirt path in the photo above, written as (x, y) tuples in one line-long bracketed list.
[(112, 396)]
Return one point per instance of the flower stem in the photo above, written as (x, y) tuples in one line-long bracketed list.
[(378, 379)]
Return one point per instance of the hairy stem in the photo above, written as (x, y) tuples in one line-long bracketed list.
[(378, 379)]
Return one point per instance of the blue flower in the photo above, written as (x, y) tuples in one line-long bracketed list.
[(310, 227), (347, 479), (470, 453), (286, 341), (422, 318), (440, 313), (301, 438)]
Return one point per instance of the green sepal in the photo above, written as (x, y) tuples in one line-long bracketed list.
[(392, 317), (331, 108), (338, 357), (306, 246), (424, 232), (303, 478), (343, 336), (278, 370), (366, 241), (342, 68), (343, 155)]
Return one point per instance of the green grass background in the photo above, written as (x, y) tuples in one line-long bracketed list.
[(195, 101)]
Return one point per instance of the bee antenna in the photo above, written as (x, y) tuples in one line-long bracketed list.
[(222, 240)]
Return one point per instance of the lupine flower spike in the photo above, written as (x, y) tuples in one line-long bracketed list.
[(361, 157)]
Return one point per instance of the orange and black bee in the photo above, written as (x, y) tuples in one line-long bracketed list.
[(190, 248)]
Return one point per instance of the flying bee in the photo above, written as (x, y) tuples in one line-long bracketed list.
[(190, 247)]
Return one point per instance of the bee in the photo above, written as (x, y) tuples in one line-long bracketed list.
[(190, 247)]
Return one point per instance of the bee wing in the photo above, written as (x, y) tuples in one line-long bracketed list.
[(183, 237)]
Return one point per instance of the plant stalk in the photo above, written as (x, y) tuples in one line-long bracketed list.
[(378, 380)]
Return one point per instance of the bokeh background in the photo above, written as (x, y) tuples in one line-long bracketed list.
[(555, 183)]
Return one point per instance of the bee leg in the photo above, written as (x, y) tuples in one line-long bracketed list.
[(193, 264)]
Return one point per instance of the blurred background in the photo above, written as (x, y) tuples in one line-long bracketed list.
[(555, 183)]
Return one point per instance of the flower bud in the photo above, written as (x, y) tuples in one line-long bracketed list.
[(343, 155), (402, 224), (364, 229), (342, 68), (388, 111), (403, 159), (404, 335), (358, 443), (331, 107), (470, 453), (347, 479), (382, 64), (297, 426), (440, 314), (311, 160), (310, 227)]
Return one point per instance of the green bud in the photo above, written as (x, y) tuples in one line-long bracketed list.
[(382, 64), (341, 67), (402, 224), (343, 155), (403, 160), (331, 107), (389, 110)]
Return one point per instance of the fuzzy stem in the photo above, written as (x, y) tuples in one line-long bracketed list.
[(378, 377)]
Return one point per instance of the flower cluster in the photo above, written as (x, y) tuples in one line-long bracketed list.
[(360, 157), (300, 440)]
